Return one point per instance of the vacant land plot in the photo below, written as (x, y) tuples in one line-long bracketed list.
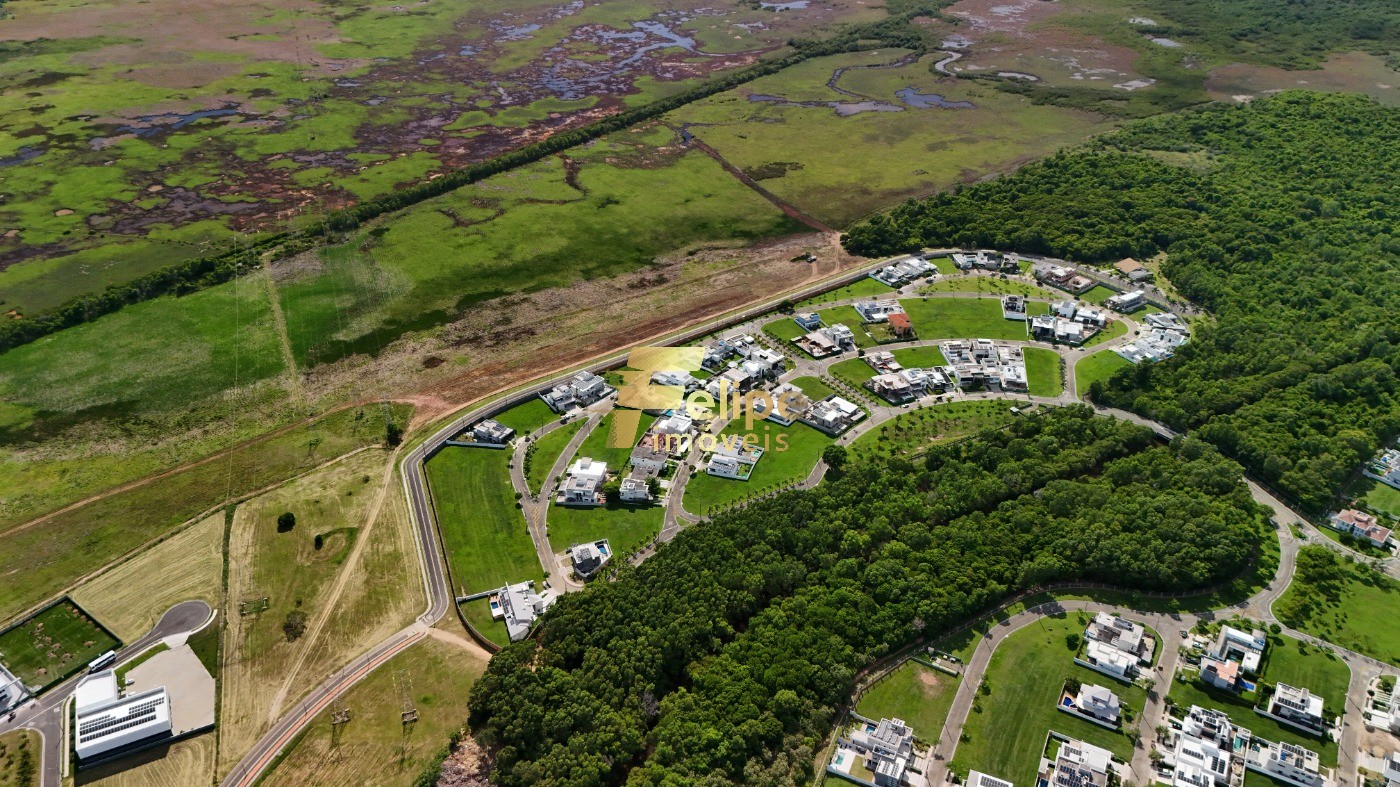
[(918, 694), (525, 418), (1099, 366), (1348, 72), (279, 580), (860, 288), (53, 644), (1043, 371), (813, 387), (988, 285), (920, 357), (1025, 678), (1111, 331), (1355, 611), (595, 445), (914, 431), (784, 329), (625, 526), (375, 747), (131, 598), (705, 492), (546, 452), (483, 532), (852, 371), (19, 759), (1097, 295), (1382, 497), (966, 318), (55, 553), (900, 131), (181, 764)]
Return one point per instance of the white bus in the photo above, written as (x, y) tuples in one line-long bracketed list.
[(103, 662)]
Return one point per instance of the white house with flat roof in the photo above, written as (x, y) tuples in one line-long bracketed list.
[(1099, 702), (980, 779), (1080, 764), (1390, 769), (1246, 647), (583, 483), (1127, 302), (518, 606), (1286, 762), (1297, 706)]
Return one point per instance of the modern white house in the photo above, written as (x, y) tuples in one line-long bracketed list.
[(1385, 467), (1079, 764), (1299, 707), (588, 559), (583, 483), (1110, 661), (733, 461), (1246, 647), (1199, 763), (980, 779), (832, 415), (634, 489), (1121, 634), (1127, 302), (107, 725), (518, 606), (581, 390), (1286, 762), (1098, 702), (493, 433), (877, 311), (1390, 769), (888, 750)]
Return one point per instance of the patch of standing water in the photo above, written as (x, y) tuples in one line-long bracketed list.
[(919, 100), (670, 39), (179, 121), (22, 155), (794, 5), (842, 108)]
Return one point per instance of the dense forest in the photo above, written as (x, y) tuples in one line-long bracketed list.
[(722, 659), (1280, 218)]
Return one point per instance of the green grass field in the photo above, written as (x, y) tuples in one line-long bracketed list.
[(1298, 663), (1097, 295), (784, 329), (1382, 497), (625, 526), (920, 357), (1043, 372), (75, 542), (484, 533), (860, 288), (839, 169), (852, 371), (1358, 615), (914, 431), (804, 447), (1098, 366), (525, 418), (913, 692), (1113, 330), (813, 387), (53, 644), (966, 318), (1026, 675), (595, 445), (19, 758), (546, 452), (848, 316)]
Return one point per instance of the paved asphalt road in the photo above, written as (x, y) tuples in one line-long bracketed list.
[(46, 713)]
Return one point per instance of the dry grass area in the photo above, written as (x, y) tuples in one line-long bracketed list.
[(263, 649), (1345, 72), (131, 597), (1030, 37), (510, 340), (187, 763), (375, 748)]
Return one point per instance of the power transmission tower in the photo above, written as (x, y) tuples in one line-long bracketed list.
[(409, 713)]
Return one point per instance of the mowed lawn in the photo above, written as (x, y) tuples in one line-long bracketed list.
[(526, 417), (625, 526), (991, 285), (860, 288), (847, 316), (546, 452), (919, 695), (1113, 330), (852, 371), (54, 643), (1043, 372), (595, 445), (784, 329), (813, 387), (777, 466), (1361, 617), (1026, 676), (920, 357), (1382, 498), (487, 542), (1099, 366), (966, 318)]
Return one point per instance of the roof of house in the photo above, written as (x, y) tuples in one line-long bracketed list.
[(899, 320), (1128, 265)]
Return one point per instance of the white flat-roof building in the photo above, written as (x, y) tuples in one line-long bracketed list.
[(1099, 702), (877, 311), (1079, 764), (1246, 647), (1286, 762), (518, 606), (1298, 706), (588, 559), (1110, 660), (581, 390), (1013, 307), (980, 779), (106, 723), (583, 484), (1127, 302), (1390, 769)]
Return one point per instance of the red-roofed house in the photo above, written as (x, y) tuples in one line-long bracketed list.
[(1361, 525), (900, 325)]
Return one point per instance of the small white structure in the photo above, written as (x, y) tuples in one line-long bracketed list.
[(1109, 661), (634, 490), (492, 432), (1391, 769), (108, 724), (877, 311), (1013, 307), (583, 485), (832, 415)]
